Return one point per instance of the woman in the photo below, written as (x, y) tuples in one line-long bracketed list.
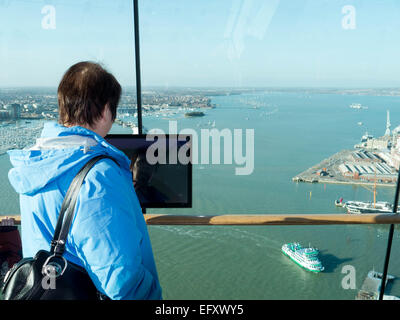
[(108, 236)]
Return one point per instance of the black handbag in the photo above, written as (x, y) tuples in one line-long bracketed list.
[(49, 276)]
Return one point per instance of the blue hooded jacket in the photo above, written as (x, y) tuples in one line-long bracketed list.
[(108, 235)]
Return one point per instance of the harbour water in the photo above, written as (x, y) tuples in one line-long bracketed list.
[(293, 131)]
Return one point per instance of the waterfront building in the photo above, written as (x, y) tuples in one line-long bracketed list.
[(11, 111), (381, 143), (381, 172), (15, 110), (392, 157), (364, 156)]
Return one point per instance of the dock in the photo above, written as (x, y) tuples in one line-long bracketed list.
[(371, 287), (345, 168)]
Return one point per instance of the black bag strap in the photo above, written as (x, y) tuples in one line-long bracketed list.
[(68, 207)]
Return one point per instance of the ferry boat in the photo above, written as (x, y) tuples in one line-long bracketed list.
[(194, 114), (358, 207), (305, 257)]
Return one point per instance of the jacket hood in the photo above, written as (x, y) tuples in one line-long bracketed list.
[(57, 151)]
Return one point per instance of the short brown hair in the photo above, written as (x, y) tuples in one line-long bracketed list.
[(85, 89)]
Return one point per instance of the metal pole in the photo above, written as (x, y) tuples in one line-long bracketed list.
[(390, 238), (137, 61)]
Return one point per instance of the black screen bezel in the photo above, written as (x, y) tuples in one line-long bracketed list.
[(187, 204)]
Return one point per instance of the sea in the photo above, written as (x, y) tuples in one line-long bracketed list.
[(292, 132)]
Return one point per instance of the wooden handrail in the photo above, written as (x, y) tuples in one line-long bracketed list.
[(265, 219)]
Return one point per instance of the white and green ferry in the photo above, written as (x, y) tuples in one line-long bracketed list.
[(305, 257)]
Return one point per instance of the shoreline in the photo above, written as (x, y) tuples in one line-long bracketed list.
[(328, 171), (345, 182)]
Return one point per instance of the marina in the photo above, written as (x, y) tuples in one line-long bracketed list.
[(19, 135)]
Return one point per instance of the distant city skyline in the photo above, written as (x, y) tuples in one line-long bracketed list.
[(238, 43)]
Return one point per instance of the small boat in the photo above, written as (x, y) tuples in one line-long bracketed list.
[(355, 106), (340, 203)]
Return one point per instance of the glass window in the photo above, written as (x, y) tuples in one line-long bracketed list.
[(294, 106), (309, 79), (38, 43)]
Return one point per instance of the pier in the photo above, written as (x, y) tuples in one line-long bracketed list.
[(348, 167), (371, 287)]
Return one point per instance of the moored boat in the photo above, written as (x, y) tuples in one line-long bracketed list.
[(358, 207), (378, 275), (340, 203)]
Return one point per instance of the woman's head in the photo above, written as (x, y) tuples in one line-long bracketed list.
[(87, 93)]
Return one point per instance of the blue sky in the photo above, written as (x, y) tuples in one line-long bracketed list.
[(206, 43)]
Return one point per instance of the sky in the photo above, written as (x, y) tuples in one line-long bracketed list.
[(235, 43)]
